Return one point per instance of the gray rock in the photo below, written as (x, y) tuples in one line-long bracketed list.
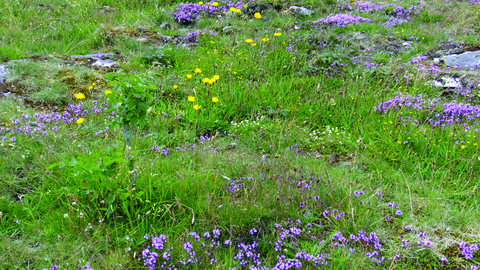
[(166, 39), (142, 39), (97, 59), (104, 63), (447, 82), (93, 56), (3, 73), (466, 59), (407, 44), (5, 93), (106, 10), (300, 10), (228, 29), (165, 26), (360, 36)]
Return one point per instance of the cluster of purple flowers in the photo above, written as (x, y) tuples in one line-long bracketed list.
[(46, 123), (468, 250), (193, 36), (444, 44), (341, 20), (448, 112), (84, 267), (165, 150), (363, 6), (187, 13), (234, 185), (401, 16), (364, 58), (398, 16)]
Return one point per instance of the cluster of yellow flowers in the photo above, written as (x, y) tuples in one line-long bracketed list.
[(91, 87), (211, 81), (213, 4), (79, 96), (208, 81), (249, 41), (236, 10), (82, 95), (265, 39)]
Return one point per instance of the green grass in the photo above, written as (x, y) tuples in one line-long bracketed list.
[(287, 112)]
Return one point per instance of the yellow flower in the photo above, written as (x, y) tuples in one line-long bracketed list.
[(249, 40), (257, 15), (197, 71), (209, 81), (108, 92), (245, 6), (216, 77), (189, 76), (214, 99), (265, 39), (238, 10), (79, 96), (93, 84), (90, 88), (191, 98), (200, 3), (232, 9), (277, 34), (197, 107), (175, 87), (215, 4), (205, 80), (80, 120), (254, 44), (463, 146)]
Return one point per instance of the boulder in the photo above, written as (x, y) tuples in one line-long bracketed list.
[(464, 60)]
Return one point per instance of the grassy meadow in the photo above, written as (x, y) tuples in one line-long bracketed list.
[(238, 135)]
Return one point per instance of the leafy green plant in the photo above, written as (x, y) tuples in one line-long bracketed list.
[(133, 101), (131, 97)]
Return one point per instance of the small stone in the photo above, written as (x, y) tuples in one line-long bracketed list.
[(447, 82), (166, 38), (142, 39), (407, 44), (104, 63), (3, 73), (165, 26), (300, 10), (228, 29)]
